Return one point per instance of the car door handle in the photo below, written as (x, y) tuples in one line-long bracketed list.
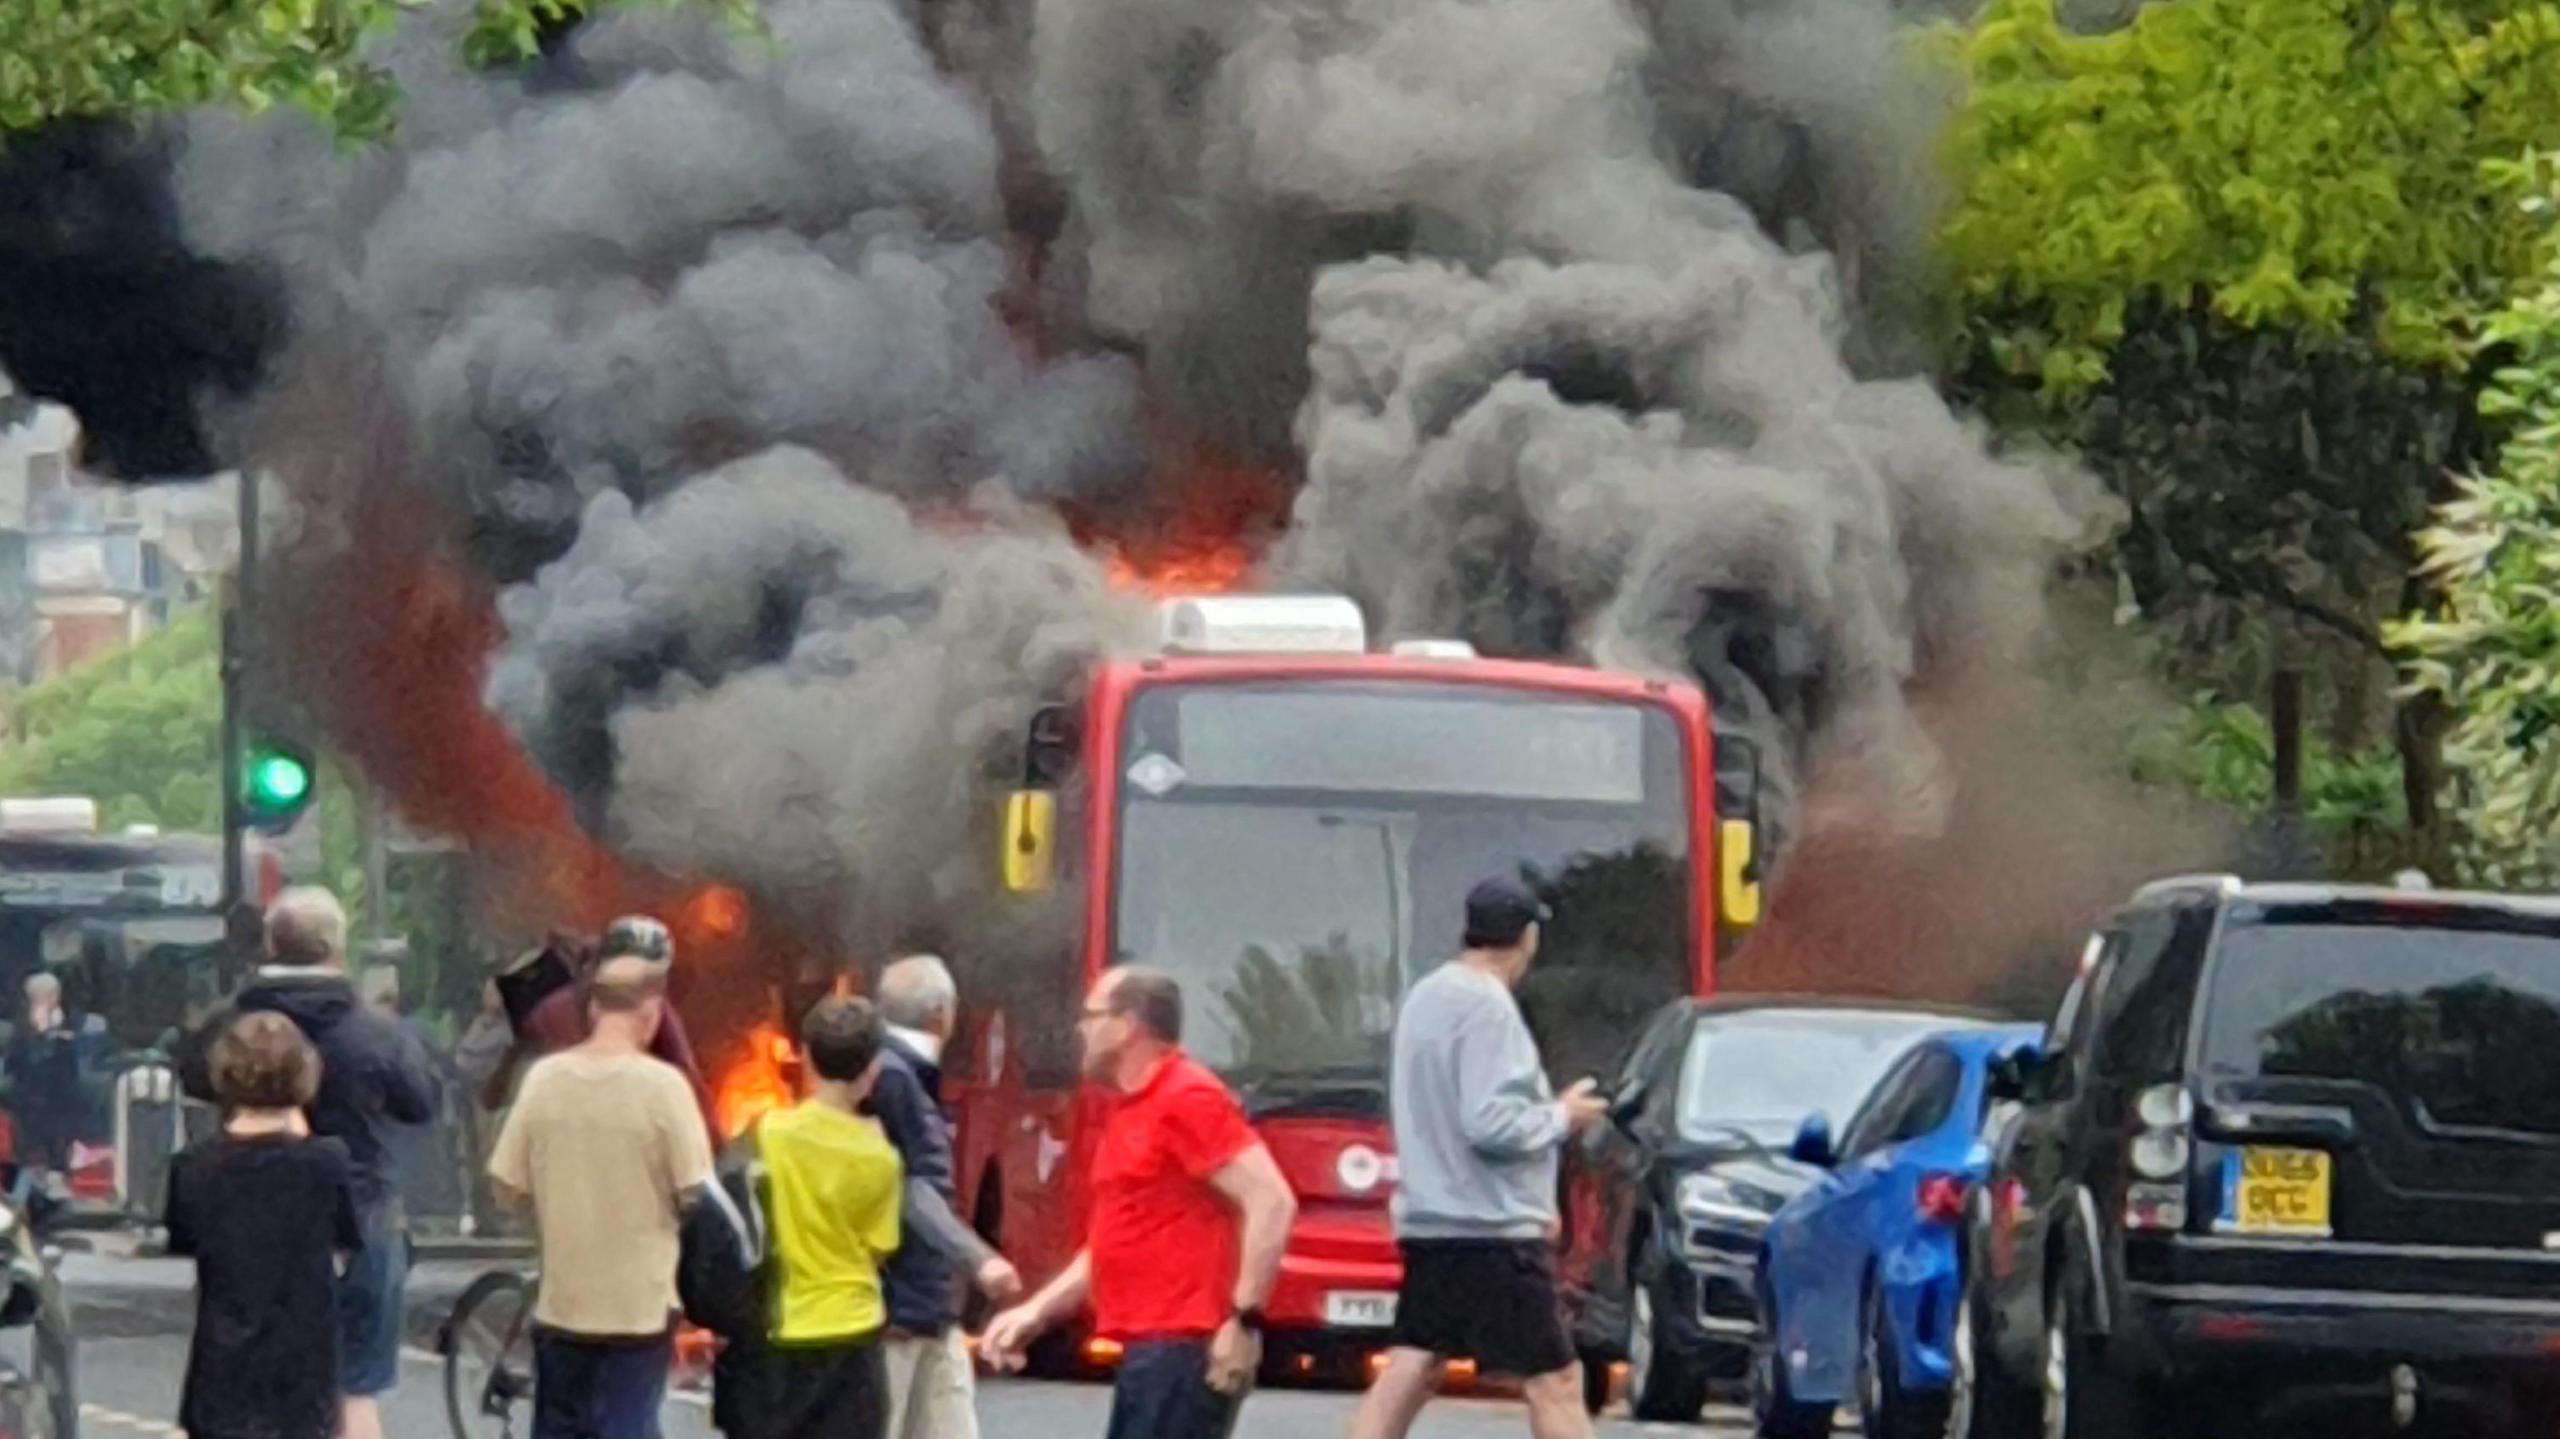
[(2256, 1123)]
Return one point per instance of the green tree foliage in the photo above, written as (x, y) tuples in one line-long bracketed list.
[(139, 732), (2230, 253), (2493, 649), (2286, 164), (67, 59), (2352, 805)]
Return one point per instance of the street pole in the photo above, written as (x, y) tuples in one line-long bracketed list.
[(377, 862), (239, 612)]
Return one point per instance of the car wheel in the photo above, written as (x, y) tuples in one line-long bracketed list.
[(1775, 1411), (1885, 1408), (1984, 1400), (1664, 1384), (2086, 1392)]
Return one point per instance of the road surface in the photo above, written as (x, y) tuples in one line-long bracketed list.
[(134, 1313)]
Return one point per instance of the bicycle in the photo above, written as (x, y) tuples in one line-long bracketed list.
[(487, 1346), (488, 1356)]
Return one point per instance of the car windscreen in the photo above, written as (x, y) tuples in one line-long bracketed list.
[(2454, 1011), (1763, 1072)]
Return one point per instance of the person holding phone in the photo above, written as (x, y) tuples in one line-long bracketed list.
[(1478, 1133)]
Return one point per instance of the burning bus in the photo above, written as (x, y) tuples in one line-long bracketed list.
[(1288, 823)]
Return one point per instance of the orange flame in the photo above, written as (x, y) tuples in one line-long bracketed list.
[(1208, 571), (1203, 527), (715, 915), (759, 1083)]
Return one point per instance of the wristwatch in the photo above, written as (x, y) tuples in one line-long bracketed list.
[(1251, 1318)]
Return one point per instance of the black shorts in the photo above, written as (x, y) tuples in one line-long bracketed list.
[(821, 1391), (1489, 1300)]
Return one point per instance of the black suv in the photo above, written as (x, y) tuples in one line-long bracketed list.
[(2285, 1147)]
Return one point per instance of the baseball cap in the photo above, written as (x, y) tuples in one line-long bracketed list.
[(1499, 911), (637, 936)]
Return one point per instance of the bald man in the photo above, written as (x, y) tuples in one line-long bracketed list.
[(607, 1148)]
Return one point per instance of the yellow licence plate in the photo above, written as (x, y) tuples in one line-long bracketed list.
[(2275, 1191)]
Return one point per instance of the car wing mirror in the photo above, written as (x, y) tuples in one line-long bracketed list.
[(1813, 1142), (1626, 1108), (2028, 1076), (2005, 1078)]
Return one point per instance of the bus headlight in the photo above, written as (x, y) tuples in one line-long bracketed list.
[(1358, 1169)]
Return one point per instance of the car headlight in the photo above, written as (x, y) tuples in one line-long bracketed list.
[(1713, 1200), (1701, 1191)]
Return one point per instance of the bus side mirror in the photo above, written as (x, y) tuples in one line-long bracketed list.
[(1049, 749), (1738, 866), (1030, 840)]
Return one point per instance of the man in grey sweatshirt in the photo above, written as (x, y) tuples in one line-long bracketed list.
[(1478, 1132)]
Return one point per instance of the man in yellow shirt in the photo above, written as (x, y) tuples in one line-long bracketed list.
[(834, 1183)]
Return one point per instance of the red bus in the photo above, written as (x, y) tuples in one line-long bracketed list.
[(1288, 823)]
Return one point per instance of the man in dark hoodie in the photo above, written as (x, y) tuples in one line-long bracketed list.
[(931, 1385), (374, 1076)]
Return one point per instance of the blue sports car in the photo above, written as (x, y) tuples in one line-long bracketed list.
[(1860, 1278)]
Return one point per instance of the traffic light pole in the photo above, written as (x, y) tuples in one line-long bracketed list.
[(237, 609)]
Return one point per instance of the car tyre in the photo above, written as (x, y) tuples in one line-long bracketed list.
[(1886, 1410), (2087, 1392), (1775, 1411), (1984, 1400), (1665, 1383)]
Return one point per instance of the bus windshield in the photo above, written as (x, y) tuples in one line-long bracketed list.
[(1299, 854)]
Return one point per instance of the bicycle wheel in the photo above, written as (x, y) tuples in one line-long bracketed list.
[(488, 1359)]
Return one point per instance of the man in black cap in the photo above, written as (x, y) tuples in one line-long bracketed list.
[(1478, 1132)]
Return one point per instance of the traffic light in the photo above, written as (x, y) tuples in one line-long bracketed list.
[(276, 782)]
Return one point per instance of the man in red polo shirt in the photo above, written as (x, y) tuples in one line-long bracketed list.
[(1190, 1218)]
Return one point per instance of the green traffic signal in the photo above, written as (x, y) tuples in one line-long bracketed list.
[(275, 784)]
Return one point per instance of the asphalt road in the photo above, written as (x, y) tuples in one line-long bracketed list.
[(133, 1316)]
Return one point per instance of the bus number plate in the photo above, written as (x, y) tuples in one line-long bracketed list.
[(1359, 1309)]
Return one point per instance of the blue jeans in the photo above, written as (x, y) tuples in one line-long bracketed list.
[(1162, 1392), (597, 1388), (372, 1299)]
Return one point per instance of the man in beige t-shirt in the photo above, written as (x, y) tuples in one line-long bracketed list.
[(607, 1145)]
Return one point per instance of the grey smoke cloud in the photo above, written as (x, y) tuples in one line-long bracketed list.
[(671, 251), (1738, 505), (826, 682), (686, 333), (1218, 154), (1575, 403)]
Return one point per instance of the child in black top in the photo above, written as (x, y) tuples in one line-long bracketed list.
[(265, 1209)]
